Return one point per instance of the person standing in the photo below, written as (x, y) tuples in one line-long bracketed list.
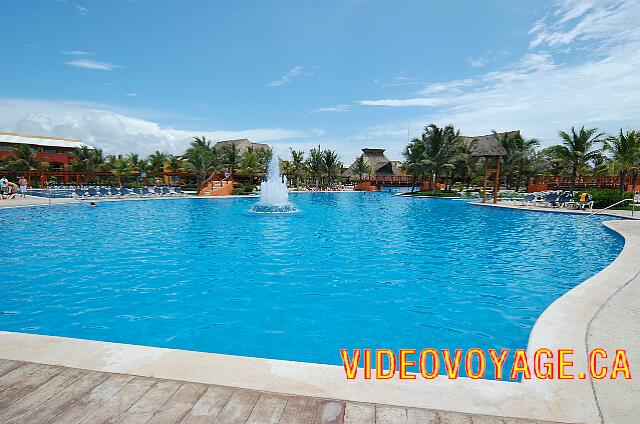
[(22, 182), (3, 186)]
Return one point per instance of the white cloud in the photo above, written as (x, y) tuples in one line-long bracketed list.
[(118, 132), (416, 101), (336, 108), (131, 94), (92, 64), (543, 91), (477, 63), (82, 10), (293, 73), (76, 53)]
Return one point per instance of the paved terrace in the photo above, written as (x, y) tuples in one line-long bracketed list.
[(34, 393)]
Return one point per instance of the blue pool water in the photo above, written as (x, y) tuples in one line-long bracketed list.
[(351, 270)]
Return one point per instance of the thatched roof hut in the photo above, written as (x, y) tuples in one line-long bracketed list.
[(379, 163), (488, 145), (242, 144)]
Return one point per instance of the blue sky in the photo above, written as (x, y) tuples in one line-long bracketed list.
[(147, 75)]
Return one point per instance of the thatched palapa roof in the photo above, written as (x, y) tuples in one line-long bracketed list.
[(379, 163), (242, 145), (488, 145)]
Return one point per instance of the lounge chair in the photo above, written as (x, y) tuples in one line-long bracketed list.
[(527, 199), (91, 192), (137, 192), (114, 192), (178, 191), (565, 199), (585, 201), (157, 191), (145, 192), (103, 192), (124, 192), (79, 193), (550, 199), (166, 191)]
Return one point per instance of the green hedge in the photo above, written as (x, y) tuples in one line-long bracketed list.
[(604, 197)]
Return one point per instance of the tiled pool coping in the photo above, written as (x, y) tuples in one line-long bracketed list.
[(563, 325)]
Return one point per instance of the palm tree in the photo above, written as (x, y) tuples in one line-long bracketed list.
[(201, 158), (439, 147), (135, 163), (625, 149), (524, 152), (360, 167), (175, 163), (415, 162), (315, 165), (120, 168), (297, 166), (331, 164), (577, 149), (156, 161), (230, 155), (23, 158), (464, 161), (250, 164)]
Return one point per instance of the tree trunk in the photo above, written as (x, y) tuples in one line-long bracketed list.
[(520, 171), (574, 173), (621, 184)]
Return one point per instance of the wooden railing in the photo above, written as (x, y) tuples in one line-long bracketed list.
[(582, 182), (389, 179)]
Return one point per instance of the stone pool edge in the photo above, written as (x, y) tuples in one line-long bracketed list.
[(555, 400)]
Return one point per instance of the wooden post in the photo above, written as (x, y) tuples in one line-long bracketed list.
[(496, 183), (484, 184)]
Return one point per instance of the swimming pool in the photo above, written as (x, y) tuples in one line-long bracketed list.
[(351, 270)]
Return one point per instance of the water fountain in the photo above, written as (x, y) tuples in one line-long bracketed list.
[(274, 196)]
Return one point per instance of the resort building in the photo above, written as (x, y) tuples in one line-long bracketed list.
[(58, 152), (380, 165), (242, 144)]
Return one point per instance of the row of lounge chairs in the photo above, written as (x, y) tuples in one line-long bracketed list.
[(558, 199), (113, 192)]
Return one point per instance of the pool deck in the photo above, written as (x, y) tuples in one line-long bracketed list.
[(603, 311), (36, 393)]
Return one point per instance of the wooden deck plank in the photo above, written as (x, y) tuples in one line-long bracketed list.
[(149, 403), (391, 415), (27, 385), (119, 402), (7, 365), (299, 410), (179, 404), (48, 412), (209, 405), (18, 374), (359, 413), (36, 393), (268, 409), (96, 398), (238, 408), (29, 402)]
